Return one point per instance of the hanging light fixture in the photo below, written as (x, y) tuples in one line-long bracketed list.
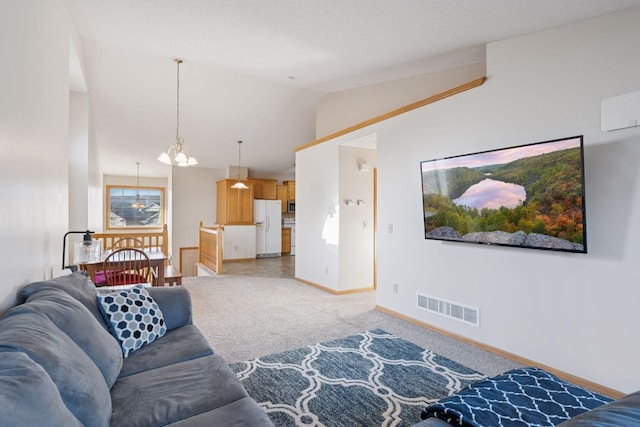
[(239, 185), (182, 155), (138, 204)]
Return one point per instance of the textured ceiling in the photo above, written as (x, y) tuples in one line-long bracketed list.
[(255, 69)]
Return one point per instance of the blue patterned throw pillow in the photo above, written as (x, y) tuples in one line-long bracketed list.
[(134, 316), (524, 397)]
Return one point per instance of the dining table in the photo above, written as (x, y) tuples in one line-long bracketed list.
[(157, 259)]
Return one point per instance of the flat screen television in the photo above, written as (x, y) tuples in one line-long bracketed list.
[(526, 196)]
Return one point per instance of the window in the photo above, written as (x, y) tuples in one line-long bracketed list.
[(120, 214)]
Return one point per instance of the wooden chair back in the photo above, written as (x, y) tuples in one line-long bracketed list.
[(128, 242), (127, 266)]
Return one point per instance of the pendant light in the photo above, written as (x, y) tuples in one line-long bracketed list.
[(239, 185), (182, 155), (138, 204)]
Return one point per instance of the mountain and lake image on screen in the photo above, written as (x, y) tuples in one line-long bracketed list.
[(529, 196)]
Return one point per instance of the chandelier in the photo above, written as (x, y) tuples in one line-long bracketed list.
[(181, 154)]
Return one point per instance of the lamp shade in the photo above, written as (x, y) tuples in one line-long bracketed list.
[(164, 158)]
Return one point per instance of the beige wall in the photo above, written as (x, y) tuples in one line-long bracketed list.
[(340, 110), (193, 200)]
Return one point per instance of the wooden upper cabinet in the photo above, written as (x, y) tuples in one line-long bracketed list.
[(234, 206), (270, 189), (264, 188), (257, 187), (291, 189), (282, 195)]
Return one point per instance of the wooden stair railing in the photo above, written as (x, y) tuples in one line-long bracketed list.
[(158, 240), (210, 247)]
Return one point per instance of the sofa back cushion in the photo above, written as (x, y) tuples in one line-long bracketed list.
[(622, 412), (78, 380), (75, 320), (28, 396), (78, 285)]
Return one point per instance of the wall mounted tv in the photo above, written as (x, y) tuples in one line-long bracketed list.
[(526, 196)]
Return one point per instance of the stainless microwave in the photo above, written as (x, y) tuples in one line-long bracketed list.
[(291, 206)]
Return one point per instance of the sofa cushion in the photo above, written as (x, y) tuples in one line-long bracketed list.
[(28, 396), (78, 285), (135, 317), (242, 412), (178, 345), (80, 383), (75, 320), (175, 303), (175, 392), (622, 412)]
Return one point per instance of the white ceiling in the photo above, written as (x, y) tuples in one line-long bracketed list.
[(255, 69)]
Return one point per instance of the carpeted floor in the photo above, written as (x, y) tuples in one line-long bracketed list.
[(247, 317), (369, 379)]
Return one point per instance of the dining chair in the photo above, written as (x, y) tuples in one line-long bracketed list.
[(127, 267), (128, 242)]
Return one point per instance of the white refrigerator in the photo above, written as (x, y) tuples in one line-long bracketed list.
[(267, 215)]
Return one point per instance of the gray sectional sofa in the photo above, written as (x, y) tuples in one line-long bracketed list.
[(60, 365)]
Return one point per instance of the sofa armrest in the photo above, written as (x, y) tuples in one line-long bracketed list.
[(175, 304)]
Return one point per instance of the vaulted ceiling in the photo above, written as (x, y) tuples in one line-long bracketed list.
[(254, 70)]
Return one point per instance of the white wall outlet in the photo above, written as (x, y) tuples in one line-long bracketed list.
[(395, 288), (326, 270), (364, 223), (389, 228)]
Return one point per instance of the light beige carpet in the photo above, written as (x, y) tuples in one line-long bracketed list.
[(248, 317)]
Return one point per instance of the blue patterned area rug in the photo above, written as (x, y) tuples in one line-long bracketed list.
[(371, 379)]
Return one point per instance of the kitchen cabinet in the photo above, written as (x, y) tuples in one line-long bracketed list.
[(286, 241), (264, 188), (234, 206), (282, 195), (257, 188), (291, 189)]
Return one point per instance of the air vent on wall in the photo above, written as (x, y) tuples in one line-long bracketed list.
[(463, 313)]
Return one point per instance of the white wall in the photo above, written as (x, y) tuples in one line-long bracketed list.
[(577, 313), (95, 188), (317, 212), (78, 160), (78, 168), (356, 222), (34, 120), (194, 200), (334, 242), (574, 312)]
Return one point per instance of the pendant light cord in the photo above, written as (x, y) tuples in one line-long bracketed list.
[(239, 169), (178, 61), (138, 183)]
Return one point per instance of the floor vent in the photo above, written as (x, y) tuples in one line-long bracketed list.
[(463, 313)]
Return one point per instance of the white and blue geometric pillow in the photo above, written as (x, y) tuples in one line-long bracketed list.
[(134, 316)]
